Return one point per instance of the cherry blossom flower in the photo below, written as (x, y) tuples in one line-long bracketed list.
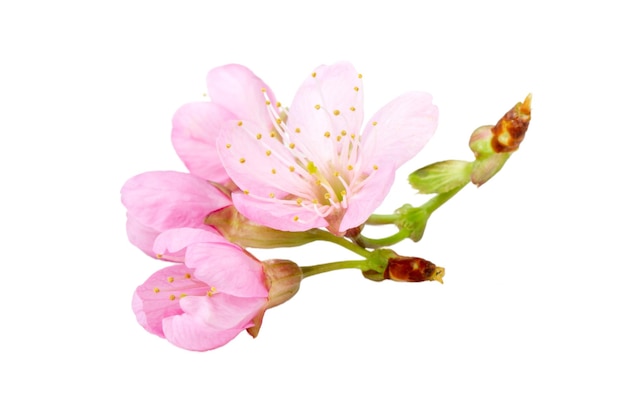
[(217, 292), (312, 165), (233, 90), (161, 200)]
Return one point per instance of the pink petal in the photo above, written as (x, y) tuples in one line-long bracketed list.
[(240, 91), (277, 215), (195, 128), (327, 106), (162, 200), (403, 127), (175, 241), (222, 311), (158, 298), (186, 332), (372, 193), (228, 268), (140, 235)]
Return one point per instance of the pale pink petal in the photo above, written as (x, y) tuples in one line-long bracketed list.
[(372, 193), (222, 311), (195, 128), (228, 268), (187, 332), (400, 129), (140, 235), (175, 241), (326, 111), (158, 298), (240, 91), (280, 216), (163, 200), (257, 162)]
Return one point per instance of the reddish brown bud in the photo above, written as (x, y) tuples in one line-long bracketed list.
[(412, 269)]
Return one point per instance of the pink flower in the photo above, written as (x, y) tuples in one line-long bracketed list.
[(219, 291), (234, 92), (312, 166), (162, 200)]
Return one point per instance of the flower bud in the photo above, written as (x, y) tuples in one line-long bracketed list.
[(441, 177), (283, 279), (412, 269), (493, 145), (238, 229)]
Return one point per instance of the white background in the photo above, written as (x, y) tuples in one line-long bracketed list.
[(531, 317)]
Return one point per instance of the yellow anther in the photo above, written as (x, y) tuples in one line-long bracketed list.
[(292, 145), (314, 74), (317, 106), (240, 123), (159, 256), (350, 168), (273, 134), (356, 88), (343, 133), (338, 138), (327, 134), (156, 290), (296, 218), (273, 171), (267, 102), (375, 123), (299, 201), (292, 168), (352, 136), (268, 153), (259, 136), (278, 121), (170, 279), (228, 146), (298, 130), (242, 160), (314, 201), (278, 104), (211, 291), (360, 76), (343, 193), (182, 295), (172, 297), (352, 108), (272, 195), (246, 192), (263, 90), (318, 182), (336, 112), (327, 196), (336, 173), (187, 276), (375, 167)]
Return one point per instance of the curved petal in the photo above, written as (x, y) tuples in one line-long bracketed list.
[(141, 235), (400, 129), (175, 241), (195, 128), (278, 215), (372, 193), (227, 268), (241, 92), (158, 297), (188, 333), (327, 107), (221, 311), (163, 200)]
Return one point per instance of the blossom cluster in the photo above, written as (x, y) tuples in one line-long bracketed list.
[(261, 174)]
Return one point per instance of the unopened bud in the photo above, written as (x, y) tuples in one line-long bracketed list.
[(493, 145), (413, 269), (441, 177)]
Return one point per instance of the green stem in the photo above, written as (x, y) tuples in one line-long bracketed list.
[(385, 241), (440, 199), (380, 219), (326, 236), (328, 267)]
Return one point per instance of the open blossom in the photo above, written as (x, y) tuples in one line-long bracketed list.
[(203, 303), (161, 200), (313, 165), (217, 292)]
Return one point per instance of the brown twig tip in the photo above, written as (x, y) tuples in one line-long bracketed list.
[(509, 132)]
